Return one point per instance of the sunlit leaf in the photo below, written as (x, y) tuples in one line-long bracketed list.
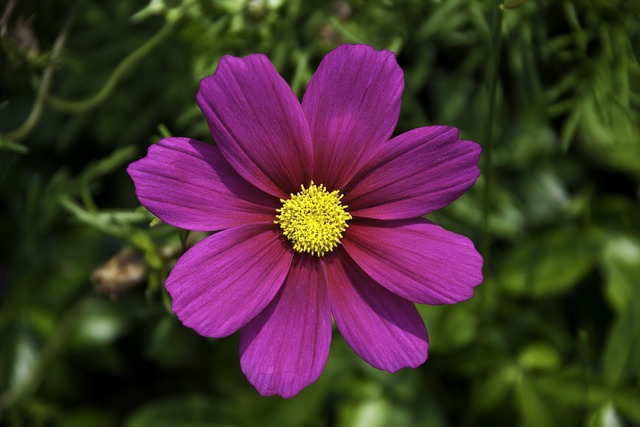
[(605, 416), (100, 322), (621, 263), (539, 356)]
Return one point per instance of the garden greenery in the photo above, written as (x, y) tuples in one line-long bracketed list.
[(549, 88)]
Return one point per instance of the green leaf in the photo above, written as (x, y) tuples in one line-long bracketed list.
[(539, 356), (534, 412), (187, 411), (87, 417), (605, 416), (628, 402), (107, 165), (102, 221), (12, 146), (366, 413), (20, 358), (621, 361), (551, 263), (100, 322), (621, 263), (155, 7), (490, 392), (573, 390), (450, 327)]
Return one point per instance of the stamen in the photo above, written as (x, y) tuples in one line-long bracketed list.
[(313, 219)]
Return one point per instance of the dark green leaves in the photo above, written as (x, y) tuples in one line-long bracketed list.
[(551, 337)]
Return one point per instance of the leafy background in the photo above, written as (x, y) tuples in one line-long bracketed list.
[(550, 88)]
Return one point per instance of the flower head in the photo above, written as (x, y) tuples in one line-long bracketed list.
[(320, 217)]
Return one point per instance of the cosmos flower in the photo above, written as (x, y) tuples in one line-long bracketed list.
[(319, 216)]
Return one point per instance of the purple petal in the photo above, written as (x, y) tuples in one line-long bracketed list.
[(188, 184), (285, 348), (382, 328), (258, 123), (413, 174), (352, 104), (416, 259), (225, 280)]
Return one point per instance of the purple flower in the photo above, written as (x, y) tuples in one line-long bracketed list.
[(320, 213)]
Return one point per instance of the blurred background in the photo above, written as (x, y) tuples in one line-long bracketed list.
[(550, 88)]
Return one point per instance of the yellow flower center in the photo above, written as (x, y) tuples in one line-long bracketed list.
[(313, 219)]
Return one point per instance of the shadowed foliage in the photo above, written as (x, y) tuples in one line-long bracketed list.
[(549, 88)]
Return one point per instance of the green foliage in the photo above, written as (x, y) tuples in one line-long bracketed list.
[(551, 338)]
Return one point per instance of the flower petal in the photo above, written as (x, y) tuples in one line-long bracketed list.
[(188, 184), (414, 174), (416, 259), (285, 348), (258, 123), (382, 328), (352, 104), (225, 280)]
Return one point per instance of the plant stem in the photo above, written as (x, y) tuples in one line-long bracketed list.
[(492, 79), (29, 124), (121, 70)]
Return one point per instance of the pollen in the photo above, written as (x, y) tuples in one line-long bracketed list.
[(313, 219)]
